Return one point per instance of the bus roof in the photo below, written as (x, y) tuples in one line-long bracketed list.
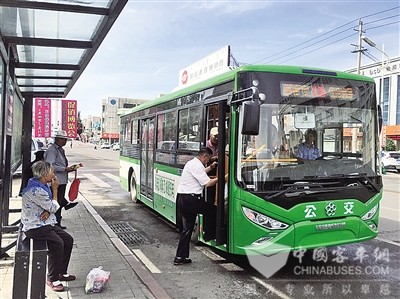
[(225, 77)]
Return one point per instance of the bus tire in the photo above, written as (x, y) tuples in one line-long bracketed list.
[(132, 189), (196, 232)]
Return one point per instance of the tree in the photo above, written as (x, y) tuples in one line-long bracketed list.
[(390, 146)]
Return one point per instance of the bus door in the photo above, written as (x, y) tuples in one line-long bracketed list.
[(146, 157), (215, 218)]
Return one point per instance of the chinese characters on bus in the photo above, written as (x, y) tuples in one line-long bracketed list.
[(317, 90)]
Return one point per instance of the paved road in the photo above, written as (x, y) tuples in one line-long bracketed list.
[(366, 270)]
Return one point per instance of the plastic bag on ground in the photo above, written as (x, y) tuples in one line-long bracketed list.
[(96, 280)]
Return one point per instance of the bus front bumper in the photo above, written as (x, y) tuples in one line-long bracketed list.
[(313, 234)]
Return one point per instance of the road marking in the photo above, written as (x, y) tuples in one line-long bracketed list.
[(390, 209), (111, 176), (96, 180), (387, 241), (213, 256), (149, 265), (271, 288), (231, 267)]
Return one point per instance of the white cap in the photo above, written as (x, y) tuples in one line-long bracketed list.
[(214, 131), (61, 134)]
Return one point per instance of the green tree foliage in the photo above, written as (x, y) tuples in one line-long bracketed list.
[(390, 145)]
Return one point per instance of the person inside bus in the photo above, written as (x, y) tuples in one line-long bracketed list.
[(210, 210), (190, 200), (307, 150), (212, 143)]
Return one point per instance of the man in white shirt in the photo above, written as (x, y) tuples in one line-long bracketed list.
[(190, 201)]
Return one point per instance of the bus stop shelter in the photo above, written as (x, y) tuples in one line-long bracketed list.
[(44, 48)]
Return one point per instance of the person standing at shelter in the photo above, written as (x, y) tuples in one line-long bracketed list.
[(39, 204), (190, 199), (55, 155)]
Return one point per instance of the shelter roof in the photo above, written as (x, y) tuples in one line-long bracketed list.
[(52, 41)]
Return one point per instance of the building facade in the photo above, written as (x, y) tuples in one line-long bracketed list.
[(91, 129), (387, 78), (110, 118)]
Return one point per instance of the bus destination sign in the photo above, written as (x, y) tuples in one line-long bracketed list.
[(318, 90)]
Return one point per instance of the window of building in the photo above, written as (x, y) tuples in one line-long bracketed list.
[(385, 101), (128, 105), (398, 101)]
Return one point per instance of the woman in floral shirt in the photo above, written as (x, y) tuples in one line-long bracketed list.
[(39, 203)]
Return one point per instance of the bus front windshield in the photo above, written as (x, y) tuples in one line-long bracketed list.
[(312, 130)]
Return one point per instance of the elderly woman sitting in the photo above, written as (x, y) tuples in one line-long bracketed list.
[(39, 203)]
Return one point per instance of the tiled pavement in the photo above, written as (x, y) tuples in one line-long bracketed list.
[(95, 244)]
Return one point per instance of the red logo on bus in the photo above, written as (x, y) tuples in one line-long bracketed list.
[(184, 77)]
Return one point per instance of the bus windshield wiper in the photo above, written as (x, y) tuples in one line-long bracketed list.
[(366, 181), (300, 188), (361, 177)]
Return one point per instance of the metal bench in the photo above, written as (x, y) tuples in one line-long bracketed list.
[(29, 268)]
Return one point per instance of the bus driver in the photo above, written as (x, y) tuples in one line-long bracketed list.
[(307, 150)]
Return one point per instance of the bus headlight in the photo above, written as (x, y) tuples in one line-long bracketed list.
[(370, 213), (263, 220)]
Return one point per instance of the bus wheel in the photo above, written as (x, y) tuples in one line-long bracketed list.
[(196, 232), (133, 191)]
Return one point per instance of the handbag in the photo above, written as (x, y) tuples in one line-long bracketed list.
[(74, 188)]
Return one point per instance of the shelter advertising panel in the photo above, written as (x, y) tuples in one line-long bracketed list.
[(42, 126), (69, 117)]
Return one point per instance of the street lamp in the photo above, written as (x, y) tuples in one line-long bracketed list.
[(372, 44)]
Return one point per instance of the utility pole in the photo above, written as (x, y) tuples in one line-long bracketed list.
[(359, 46), (360, 32)]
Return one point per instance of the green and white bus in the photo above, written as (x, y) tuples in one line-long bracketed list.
[(270, 197)]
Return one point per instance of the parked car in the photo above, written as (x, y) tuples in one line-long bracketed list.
[(391, 160), (115, 147), (105, 145)]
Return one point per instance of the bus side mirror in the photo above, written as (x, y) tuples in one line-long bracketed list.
[(251, 118), (380, 118)]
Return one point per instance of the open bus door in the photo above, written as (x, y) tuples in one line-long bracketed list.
[(215, 220), (223, 160)]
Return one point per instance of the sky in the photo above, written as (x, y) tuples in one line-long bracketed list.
[(152, 40)]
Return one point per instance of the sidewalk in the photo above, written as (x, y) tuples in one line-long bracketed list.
[(95, 244)]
